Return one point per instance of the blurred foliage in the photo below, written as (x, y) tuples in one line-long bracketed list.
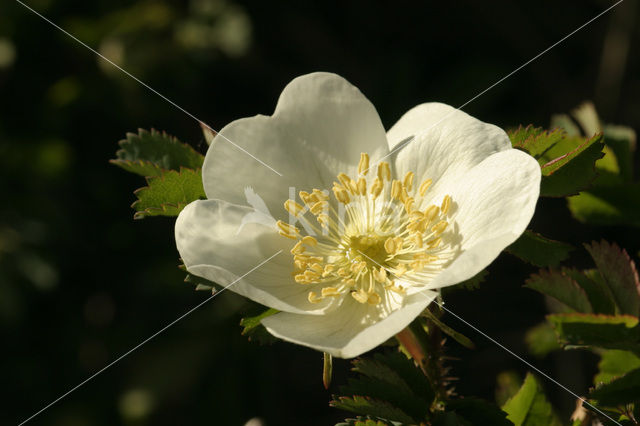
[(81, 283)]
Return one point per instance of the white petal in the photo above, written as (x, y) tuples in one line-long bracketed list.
[(347, 331), (446, 143), (320, 126), (492, 205), (214, 244)]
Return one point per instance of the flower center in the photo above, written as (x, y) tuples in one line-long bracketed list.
[(378, 232)]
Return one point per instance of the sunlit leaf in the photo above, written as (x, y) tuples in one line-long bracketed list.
[(150, 153), (623, 390), (615, 363), (605, 331), (529, 407), (169, 193)]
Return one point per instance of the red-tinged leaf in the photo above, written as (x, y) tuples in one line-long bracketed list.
[(620, 274), (561, 287)]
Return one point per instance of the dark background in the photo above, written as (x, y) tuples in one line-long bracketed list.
[(82, 283)]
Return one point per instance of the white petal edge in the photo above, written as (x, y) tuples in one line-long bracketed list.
[(342, 332), (493, 203), (211, 247), (320, 126), (446, 143)]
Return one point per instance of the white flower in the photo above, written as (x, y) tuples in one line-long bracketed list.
[(371, 237)]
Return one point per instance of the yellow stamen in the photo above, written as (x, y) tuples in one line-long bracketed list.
[(298, 248), (424, 186), (284, 234), (319, 207), (363, 166), (362, 186), (330, 291), (285, 227), (373, 298), (396, 189), (309, 240), (360, 295), (384, 171), (431, 212), (377, 187), (314, 298), (293, 208), (439, 227), (408, 180), (434, 243), (446, 203)]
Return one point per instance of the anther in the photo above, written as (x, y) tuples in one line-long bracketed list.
[(424, 186), (408, 180), (363, 166), (293, 208)]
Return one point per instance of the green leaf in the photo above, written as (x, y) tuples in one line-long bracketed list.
[(201, 284), (538, 250), (150, 153), (367, 421), (535, 141), (541, 340), (566, 123), (615, 363), (605, 331), (573, 169), (562, 288), (529, 407), (622, 141), (169, 193), (457, 336), (567, 162), (620, 274), (372, 407), (478, 412), (507, 385), (623, 390), (616, 205), (254, 330), (599, 295)]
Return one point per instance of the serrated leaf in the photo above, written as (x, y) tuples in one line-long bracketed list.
[(567, 162), (620, 274), (615, 363), (254, 330), (573, 169), (380, 390), (478, 412), (529, 407), (367, 421), (623, 390), (403, 369), (169, 193), (599, 295), (538, 250), (372, 407), (201, 283), (562, 288), (605, 331), (536, 141), (541, 340), (150, 153)]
